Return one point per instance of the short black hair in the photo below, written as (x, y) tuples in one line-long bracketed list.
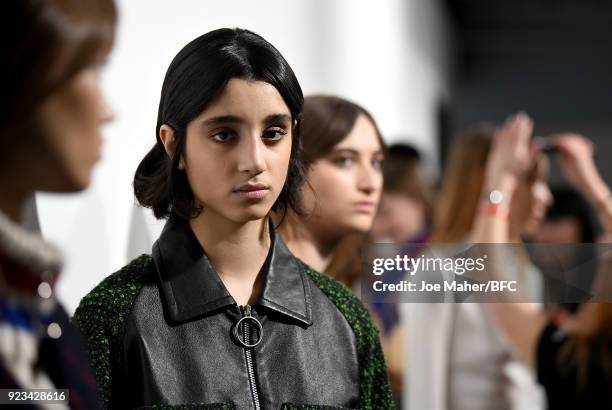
[(568, 203), (405, 152), (196, 77)]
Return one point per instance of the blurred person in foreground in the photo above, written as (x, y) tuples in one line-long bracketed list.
[(51, 109), (404, 218), (457, 357), (571, 353)]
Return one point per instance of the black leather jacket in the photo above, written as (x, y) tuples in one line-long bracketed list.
[(165, 331)]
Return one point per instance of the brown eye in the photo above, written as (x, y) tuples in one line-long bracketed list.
[(222, 136), (377, 164), (274, 134), (343, 161)]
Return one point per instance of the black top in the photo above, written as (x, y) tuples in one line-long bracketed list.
[(559, 374), (164, 331)]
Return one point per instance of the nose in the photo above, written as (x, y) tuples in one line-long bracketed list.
[(252, 155), (542, 198), (548, 198), (369, 179), (106, 112)]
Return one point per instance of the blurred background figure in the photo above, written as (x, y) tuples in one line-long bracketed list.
[(569, 222), (404, 217), (465, 179), (457, 357), (406, 203), (570, 219), (344, 153), (51, 110), (571, 353), (574, 351)]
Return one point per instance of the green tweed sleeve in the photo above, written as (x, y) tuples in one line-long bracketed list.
[(101, 317), (375, 389)]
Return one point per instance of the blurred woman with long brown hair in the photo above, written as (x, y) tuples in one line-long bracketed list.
[(458, 358), (344, 151), (404, 218), (51, 109), (570, 352)]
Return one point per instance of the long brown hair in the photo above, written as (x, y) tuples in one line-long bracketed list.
[(326, 121), (50, 42), (462, 185)]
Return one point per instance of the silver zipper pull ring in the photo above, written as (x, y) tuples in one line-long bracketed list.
[(248, 320)]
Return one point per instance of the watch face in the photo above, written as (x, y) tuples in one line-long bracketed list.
[(496, 197)]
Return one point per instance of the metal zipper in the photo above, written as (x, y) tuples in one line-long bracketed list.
[(246, 312)]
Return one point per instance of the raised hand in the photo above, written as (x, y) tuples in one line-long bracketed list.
[(511, 153), (578, 166)]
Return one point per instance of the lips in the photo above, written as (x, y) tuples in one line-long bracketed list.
[(252, 191), (365, 206)]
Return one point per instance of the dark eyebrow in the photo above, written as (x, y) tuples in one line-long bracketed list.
[(354, 152), (232, 119), (345, 150), (222, 119), (277, 118)]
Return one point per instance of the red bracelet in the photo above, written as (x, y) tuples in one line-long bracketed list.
[(494, 210)]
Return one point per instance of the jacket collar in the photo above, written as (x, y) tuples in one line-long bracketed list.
[(191, 287), (28, 248), (26, 259)]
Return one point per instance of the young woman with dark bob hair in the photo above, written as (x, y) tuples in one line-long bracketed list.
[(222, 315), (51, 110)]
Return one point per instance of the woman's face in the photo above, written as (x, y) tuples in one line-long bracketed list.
[(561, 230), (399, 218), (531, 200), (237, 151), (346, 183), (70, 121)]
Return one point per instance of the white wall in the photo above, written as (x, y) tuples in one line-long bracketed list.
[(390, 56)]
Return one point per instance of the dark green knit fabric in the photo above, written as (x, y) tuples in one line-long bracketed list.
[(101, 317), (375, 390)]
